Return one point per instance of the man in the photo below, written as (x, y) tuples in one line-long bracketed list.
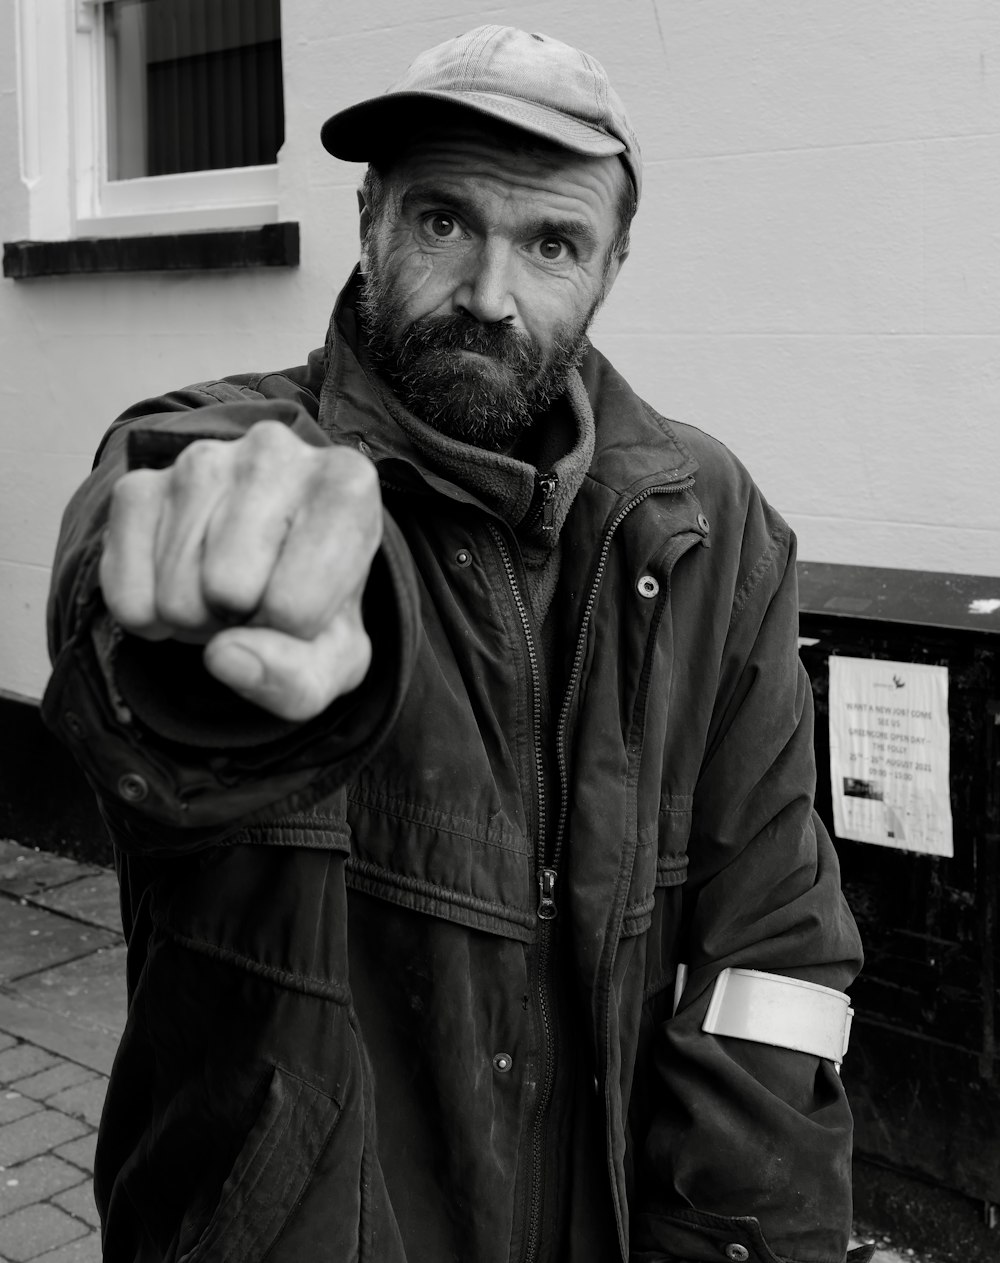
[(444, 706)]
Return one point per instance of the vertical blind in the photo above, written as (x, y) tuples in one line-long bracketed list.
[(192, 85)]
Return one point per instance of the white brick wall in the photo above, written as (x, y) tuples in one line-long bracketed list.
[(816, 271)]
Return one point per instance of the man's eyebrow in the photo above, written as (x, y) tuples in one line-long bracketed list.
[(427, 194)]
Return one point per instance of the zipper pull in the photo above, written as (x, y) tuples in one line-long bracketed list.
[(547, 487), (547, 894)]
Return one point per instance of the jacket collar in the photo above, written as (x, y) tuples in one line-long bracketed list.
[(635, 447)]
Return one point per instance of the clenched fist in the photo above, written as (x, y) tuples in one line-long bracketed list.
[(258, 548)]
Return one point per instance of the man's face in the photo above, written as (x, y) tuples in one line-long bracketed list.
[(483, 270)]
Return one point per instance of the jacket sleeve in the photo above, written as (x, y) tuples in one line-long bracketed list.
[(177, 759), (748, 1155)]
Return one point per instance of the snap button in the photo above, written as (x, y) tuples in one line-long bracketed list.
[(647, 586), (736, 1252), (502, 1062), (704, 525), (463, 557), (132, 787), (73, 725)]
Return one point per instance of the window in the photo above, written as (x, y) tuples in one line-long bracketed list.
[(190, 85), (145, 116)]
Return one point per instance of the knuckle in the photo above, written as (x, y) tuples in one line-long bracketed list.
[(348, 483), (199, 462), (228, 586), (360, 474), (347, 470), (123, 603), (265, 451), (133, 490), (267, 433), (180, 608)]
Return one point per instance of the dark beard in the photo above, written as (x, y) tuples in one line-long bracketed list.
[(488, 402)]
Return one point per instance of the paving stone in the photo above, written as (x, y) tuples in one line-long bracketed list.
[(21, 1061), (6, 1041), (24, 871), (84, 1250), (80, 1152), (73, 1036), (37, 1133), (79, 1201), (91, 989), (32, 939), (36, 1181), (85, 1100), (37, 1229), (92, 898), (64, 1074), (14, 1106)]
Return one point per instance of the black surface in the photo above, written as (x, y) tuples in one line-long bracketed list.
[(932, 1224), (923, 1070), (917, 598), (270, 245), (44, 799)]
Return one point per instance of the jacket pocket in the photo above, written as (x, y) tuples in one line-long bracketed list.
[(293, 1128), (660, 861)]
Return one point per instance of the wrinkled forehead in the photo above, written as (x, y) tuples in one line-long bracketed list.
[(460, 142)]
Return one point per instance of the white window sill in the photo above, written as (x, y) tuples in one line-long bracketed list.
[(195, 219)]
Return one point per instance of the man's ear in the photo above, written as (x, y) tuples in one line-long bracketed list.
[(365, 216)]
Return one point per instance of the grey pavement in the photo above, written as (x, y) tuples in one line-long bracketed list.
[(62, 1009)]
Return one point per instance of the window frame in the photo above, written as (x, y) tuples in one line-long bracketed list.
[(63, 144)]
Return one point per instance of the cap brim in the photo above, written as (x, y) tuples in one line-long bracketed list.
[(363, 131)]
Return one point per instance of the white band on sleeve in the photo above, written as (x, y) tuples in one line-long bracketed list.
[(784, 1012)]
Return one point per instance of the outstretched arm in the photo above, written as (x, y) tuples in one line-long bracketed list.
[(222, 582)]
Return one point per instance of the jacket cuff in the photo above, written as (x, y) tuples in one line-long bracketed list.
[(136, 750), (694, 1236)]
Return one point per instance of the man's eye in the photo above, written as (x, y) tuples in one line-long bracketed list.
[(552, 249), (442, 225)]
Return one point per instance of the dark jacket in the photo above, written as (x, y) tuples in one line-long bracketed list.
[(355, 1028)]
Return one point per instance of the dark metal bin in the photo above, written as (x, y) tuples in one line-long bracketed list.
[(923, 1070)]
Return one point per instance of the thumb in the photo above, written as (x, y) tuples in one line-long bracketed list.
[(292, 678)]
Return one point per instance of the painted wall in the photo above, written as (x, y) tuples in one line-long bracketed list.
[(815, 275)]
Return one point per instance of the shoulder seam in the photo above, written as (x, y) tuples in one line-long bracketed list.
[(777, 539)]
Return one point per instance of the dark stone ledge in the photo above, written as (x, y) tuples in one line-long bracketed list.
[(270, 245)]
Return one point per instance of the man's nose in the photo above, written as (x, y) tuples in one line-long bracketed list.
[(485, 292)]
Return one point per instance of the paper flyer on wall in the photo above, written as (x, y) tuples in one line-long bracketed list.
[(889, 754)]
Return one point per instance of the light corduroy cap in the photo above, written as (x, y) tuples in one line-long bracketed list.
[(530, 81)]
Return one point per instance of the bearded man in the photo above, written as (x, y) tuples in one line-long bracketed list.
[(444, 707)]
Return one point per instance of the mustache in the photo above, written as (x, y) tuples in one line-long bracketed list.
[(458, 332)]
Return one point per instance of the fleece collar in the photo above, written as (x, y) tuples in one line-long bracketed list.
[(634, 446)]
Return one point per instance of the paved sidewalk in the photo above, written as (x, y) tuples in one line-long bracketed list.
[(62, 1009)]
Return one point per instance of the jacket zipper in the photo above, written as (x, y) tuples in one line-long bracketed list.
[(562, 761), (546, 911), (542, 514)]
